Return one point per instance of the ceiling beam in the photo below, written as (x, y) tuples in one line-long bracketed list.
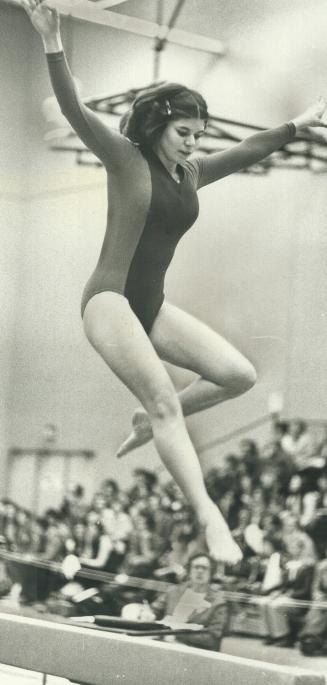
[(97, 13), (90, 11)]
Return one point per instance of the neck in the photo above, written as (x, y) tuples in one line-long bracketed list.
[(170, 165)]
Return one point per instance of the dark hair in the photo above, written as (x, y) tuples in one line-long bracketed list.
[(150, 478), (282, 426), (155, 107), (200, 555)]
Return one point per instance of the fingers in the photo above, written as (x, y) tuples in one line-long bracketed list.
[(30, 5)]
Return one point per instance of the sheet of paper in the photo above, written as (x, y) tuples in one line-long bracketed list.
[(189, 601)]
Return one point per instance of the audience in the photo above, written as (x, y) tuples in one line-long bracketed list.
[(274, 499)]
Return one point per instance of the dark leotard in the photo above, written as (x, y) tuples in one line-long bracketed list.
[(148, 211)]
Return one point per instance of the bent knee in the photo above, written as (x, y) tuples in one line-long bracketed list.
[(247, 378), (242, 380), (164, 405)]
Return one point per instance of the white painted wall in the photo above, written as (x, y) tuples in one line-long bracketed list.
[(253, 267)]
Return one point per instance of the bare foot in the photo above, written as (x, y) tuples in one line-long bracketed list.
[(221, 544), (140, 435)]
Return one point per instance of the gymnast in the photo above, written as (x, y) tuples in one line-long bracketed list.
[(152, 187)]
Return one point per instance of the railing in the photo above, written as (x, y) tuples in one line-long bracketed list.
[(123, 580)]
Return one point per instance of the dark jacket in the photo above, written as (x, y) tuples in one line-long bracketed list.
[(214, 618)]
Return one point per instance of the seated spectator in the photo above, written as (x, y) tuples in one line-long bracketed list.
[(246, 487), (23, 540), (55, 535), (244, 520), (172, 563), (38, 582), (160, 509), (116, 522), (271, 525), (299, 443), (317, 527), (196, 601), (277, 465), (250, 458), (76, 543), (98, 548), (143, 547), (74, 506), (313, 635), (296, 541), (38, 533), (282, 614), (110, 490), (144, 485), (98, 504), (293, 500)]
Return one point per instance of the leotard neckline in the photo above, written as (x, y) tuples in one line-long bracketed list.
[(149, 152)]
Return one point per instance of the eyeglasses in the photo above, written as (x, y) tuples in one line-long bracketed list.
[(200, 566)]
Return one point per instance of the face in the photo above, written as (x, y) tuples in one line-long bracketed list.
[(179, 139), (92, 517), (200, 571), (99, 502), (244, 517), (296, 429), (79, 531)]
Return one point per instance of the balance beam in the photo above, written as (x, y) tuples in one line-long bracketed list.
[(96, 657)]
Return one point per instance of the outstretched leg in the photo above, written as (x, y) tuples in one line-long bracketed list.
[(223, 372), (119, 338)]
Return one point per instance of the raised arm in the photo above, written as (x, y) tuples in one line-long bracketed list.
[(107, 144), (258, 146)]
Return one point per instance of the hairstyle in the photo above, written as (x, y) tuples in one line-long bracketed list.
[(300, 423), (200, 555), (281, 426), (109, 482), (150, 478), (155, 107)]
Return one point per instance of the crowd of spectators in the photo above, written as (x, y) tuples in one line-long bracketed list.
[(274, 499)]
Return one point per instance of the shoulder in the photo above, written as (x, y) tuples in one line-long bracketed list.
[(193, 167), (177, 591)]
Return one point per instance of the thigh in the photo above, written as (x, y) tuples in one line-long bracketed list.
[(183, 340), (117, 335)]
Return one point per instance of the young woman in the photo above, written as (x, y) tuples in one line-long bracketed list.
[(152, 203)]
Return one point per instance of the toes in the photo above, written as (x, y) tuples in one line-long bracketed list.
[(126, 446)]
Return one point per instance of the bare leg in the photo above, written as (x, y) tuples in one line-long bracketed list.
[(119, 338), (184, 341)]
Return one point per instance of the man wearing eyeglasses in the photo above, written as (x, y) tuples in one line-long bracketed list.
[(195, 601)]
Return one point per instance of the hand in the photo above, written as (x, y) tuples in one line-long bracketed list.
[(44, 19), (315, 115), (70, 565)]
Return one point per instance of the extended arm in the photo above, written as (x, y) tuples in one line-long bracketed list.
[(107, 144), (258, 146), (244, 154)]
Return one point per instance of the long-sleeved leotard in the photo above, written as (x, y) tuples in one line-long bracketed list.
[(148, 211)]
